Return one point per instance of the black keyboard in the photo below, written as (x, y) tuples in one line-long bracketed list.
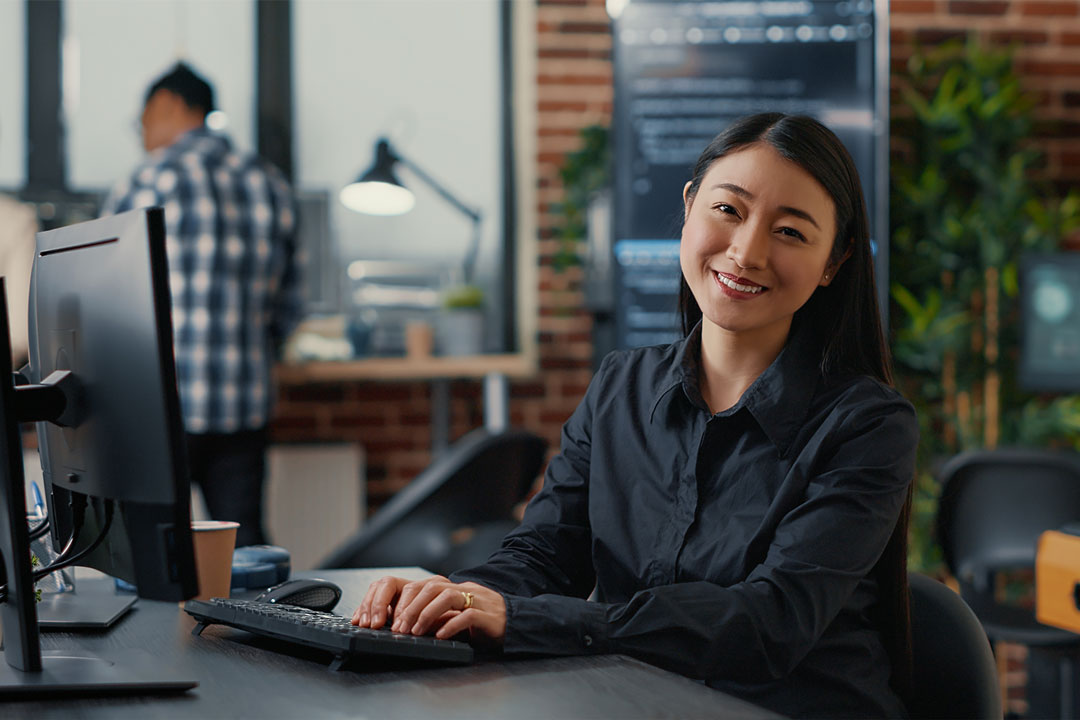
[(322, 630)]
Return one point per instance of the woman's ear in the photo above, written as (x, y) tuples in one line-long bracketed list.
[(686, 200), (831, 268)]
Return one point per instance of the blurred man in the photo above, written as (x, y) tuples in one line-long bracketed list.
[(233, 267)]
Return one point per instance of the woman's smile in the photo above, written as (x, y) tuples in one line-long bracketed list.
[(738, 287)]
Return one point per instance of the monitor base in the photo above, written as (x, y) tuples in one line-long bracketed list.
[(72, 611), (65, 673)]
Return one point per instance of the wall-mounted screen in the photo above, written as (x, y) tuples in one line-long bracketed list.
[(683, 72)]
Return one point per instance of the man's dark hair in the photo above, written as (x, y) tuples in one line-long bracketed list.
[(196, 93)]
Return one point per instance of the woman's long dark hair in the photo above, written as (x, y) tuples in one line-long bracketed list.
[(844, 314)]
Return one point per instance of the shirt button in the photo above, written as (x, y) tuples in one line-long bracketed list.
[(588, 640)]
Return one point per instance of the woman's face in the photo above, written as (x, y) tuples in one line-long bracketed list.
[(756, 241)]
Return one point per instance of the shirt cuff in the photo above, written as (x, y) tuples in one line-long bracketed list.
[(554, 625)]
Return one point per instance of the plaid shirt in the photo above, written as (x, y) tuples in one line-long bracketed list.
[(230, 225)]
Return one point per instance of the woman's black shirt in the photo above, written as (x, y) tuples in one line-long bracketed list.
[(735, 548)]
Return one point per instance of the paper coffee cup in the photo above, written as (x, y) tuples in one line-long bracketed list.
[(214, 542)]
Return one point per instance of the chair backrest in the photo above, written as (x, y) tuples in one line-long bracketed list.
[(478, 480), (995, 503), (954, 673)]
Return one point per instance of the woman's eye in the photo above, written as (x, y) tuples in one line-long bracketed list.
[(792, 232), (725, 208)]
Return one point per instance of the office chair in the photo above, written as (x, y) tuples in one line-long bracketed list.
[(953, 669), (994, 505), (475, 483)]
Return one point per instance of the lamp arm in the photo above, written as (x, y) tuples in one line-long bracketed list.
[(472, 213)]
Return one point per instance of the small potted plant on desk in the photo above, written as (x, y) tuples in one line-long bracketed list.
[(461, 322)]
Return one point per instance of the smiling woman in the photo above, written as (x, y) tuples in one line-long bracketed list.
[(732, 506), (752, 253)]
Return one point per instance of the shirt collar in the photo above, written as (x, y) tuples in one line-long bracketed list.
[(200, 136), (778, 399)]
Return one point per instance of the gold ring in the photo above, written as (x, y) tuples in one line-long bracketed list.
[(468, 599)]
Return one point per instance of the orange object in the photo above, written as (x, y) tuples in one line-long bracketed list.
[(1057, 580)]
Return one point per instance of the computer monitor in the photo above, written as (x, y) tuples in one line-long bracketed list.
[(1050, 322), (103, 390)]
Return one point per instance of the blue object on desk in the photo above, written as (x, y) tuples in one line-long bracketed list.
[(276, 556), (39, 502), (252, 575)]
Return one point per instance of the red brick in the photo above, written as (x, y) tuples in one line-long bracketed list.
[(1045, 8), (385, 392), (557, 363), (415, 420), (593, 28), (604, 80), (379, 447), (554, 418), (563, 53), (340, 419), (1070, 160), (283, 426), (574, 391), (527, 390), (1056, 128), (1024, 37), (557, 132), (1070, 38), (318, 393), (467, 390), (921, 7), (978, 7), (556, 105), (932, 36), (1047, 67)]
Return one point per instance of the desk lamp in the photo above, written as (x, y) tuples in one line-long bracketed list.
[(379, 192)]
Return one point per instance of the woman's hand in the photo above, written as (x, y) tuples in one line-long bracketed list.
[(420, 606)]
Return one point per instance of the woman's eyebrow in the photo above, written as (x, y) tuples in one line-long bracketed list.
[(737, 189), (799, 214), (786, 209)]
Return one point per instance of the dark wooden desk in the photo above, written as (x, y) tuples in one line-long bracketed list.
[(242, 676)]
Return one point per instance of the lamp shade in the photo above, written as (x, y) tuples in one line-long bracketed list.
[(378, 191)]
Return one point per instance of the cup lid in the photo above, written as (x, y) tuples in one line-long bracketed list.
[(213, 524)]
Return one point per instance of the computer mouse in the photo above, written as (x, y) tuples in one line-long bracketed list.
[(310, 593)]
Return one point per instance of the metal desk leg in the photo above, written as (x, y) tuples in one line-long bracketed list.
[(440, 416), (496, 402)]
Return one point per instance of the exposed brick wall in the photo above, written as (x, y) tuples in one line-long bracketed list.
[(1046, 34)]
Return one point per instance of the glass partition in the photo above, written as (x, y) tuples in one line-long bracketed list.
[(424, 74), (113, 50), (13, 90)]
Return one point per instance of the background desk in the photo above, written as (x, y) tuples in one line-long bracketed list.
[(494, 370), (242, 676)]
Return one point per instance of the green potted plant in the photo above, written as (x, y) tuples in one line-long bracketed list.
[(461, 322), (585, 173), (965, 207)]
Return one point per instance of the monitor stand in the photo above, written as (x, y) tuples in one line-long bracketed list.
[(62, 674), (75, 611), (29, 672)]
